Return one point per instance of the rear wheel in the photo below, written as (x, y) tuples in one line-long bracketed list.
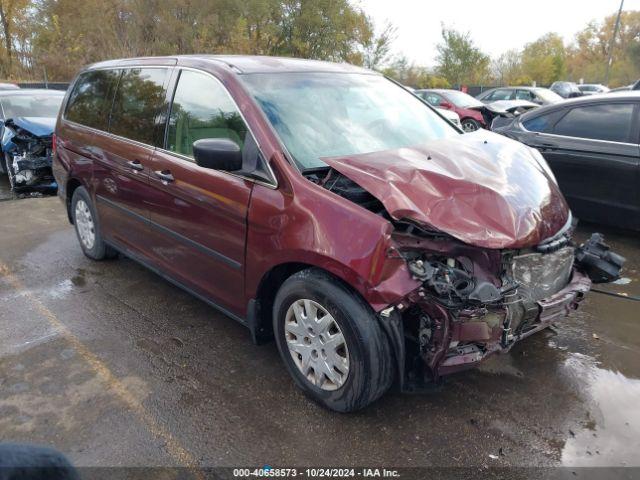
[(331, 342), (87, 227), (470, 125)]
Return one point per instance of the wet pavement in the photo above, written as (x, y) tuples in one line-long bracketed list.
[(114, 366), (5, 190)]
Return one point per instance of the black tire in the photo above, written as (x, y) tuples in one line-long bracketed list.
[(470, 125), (371, 366), (99, 250)]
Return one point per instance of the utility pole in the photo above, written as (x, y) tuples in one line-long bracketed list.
[(613, 41)]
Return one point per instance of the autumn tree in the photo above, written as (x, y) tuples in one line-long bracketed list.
[(407, 73), (377, 49), (69, 34), (507, 69), (459, 60), (12, 16), (544, 61), (587, 57)]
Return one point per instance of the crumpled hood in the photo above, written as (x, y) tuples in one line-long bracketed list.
[(508, 106), (481, 188), (37, 126)]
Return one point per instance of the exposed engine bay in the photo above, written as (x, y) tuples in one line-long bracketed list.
[(474, 301), (27, 159)]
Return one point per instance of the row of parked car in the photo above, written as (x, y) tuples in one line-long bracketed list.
[(27, 119), (590, 141)]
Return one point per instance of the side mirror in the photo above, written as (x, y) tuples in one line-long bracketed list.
[(218, 154), (446, 105)]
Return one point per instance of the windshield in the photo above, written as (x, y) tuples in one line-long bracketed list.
[(548, 95), (37, 105), (321, 115), (461, 99)]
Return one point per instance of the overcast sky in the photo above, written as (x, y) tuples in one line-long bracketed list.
[(495, 25)]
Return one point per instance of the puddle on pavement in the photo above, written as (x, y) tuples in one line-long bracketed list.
[(58, 291), (610, 436)]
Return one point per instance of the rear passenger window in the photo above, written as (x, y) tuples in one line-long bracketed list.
[(610, 122), (202, 108), (525, 95), (500, 95), (138, 104), (90, 101)]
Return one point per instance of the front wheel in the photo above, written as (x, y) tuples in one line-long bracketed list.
[(331, 342), (470, 125)]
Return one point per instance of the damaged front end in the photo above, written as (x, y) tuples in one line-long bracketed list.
[(474, 302), (502, 112), (486, 236), (27, 148)]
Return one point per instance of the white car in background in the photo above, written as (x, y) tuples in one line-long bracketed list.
[(592, 88)]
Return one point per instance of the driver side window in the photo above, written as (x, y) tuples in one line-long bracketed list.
[(525, 95), (201, 109)]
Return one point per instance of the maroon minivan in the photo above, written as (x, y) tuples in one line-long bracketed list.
[(325, 206)]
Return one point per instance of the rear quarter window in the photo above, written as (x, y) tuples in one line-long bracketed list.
[(610, 122), (90, 101)]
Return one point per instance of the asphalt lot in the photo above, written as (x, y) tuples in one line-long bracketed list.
[(114, 366)]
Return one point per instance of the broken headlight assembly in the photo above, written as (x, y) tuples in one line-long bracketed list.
[(451, 283)]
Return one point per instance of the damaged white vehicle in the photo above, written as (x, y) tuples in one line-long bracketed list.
[(27, 121)]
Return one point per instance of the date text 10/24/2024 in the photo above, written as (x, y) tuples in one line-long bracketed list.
[(275, 472)]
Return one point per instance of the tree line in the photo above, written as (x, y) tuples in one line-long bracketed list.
[(60, 36), (54, 38), (460, 62)]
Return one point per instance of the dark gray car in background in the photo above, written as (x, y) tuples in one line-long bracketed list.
[(592, 146)]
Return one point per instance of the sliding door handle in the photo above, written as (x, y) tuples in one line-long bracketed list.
[(165, 175), (136, 165)]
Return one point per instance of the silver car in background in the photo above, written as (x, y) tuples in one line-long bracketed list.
[(592, 88), (538, 95)]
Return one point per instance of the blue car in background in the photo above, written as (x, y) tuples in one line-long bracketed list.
[(27, 121)]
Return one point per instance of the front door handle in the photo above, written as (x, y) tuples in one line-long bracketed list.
[(165, 175), (136, 165)]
